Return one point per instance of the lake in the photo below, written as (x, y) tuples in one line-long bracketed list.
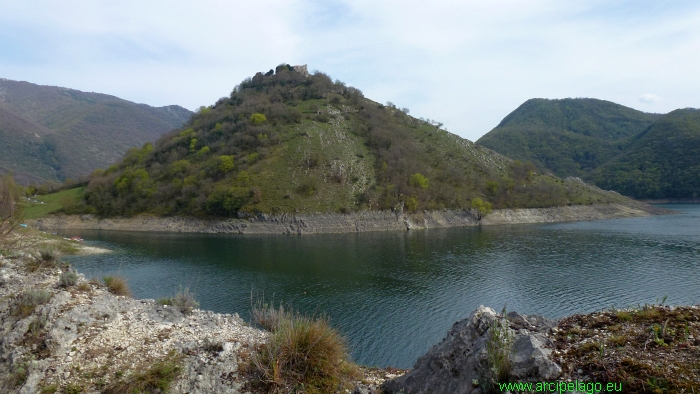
[(395, 294)]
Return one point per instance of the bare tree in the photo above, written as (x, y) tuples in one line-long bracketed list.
[(10, 210)]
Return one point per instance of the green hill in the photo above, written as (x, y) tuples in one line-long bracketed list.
[(569, 137), (662, 162), (638, 154), (286, 141), (53, 133)]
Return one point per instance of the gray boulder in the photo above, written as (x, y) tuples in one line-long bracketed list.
[(460, 363)]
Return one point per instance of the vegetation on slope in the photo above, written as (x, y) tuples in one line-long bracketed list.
[(569, 137), (287, 142), (663, 162), (634, 153), (53, 133)]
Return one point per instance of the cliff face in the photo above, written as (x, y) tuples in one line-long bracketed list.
[(84, 337), (347, 223)]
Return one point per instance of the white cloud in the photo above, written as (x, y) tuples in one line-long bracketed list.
[(648, 98), (464, 63)]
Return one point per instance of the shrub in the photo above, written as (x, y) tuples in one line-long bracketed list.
[(47, 258), (117, 285), (184, 301), (68, 278), (303, 353), (29, 300)]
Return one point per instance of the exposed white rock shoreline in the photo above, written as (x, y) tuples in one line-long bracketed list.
[(91, 337), (347, 223)]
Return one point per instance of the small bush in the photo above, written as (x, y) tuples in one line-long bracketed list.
[(48, 258), (155, 379), (71, 388), (29, 300), (117, 285), (184, 301), (212, 346), (68, 278), (303, 353), (37, 326), (48, 255)]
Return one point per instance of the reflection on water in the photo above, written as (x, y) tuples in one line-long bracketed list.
[(394, 294)]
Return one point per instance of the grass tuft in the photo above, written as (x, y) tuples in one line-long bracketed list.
[(156, 379), (184, 301), (117, 285), (303, 354), (499, 351)]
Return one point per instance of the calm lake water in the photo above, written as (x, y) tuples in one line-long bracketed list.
[(394, 294)]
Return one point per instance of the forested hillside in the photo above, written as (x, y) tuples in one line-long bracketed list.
[(641, 155), (285, 141), (569, 137), (663, 162), (53, 133)]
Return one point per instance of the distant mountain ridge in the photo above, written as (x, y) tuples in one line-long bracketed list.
[(638, 154), (53, 133)]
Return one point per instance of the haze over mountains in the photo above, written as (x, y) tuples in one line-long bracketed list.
[(50, 133), (638, 154)]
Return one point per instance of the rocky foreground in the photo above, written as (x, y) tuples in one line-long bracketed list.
[(81, 338)]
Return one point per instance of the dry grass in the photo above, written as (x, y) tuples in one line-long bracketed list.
[(184, 301), (117, 285), (303, 355), (156, 379)]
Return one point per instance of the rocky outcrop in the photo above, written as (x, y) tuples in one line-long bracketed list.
[(463, 362), (307, 223), (85, 337)]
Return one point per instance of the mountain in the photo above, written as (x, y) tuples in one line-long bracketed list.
[(662, 162), (287, 141), (569, 137), (54, 133)]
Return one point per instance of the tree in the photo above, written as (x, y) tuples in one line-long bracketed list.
[(10, 208), (418, 180), (257, 118), (481, 208)]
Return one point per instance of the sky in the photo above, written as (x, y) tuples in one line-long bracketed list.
[(466, 64)]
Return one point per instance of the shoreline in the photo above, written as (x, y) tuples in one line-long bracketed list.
[(333, 223)]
